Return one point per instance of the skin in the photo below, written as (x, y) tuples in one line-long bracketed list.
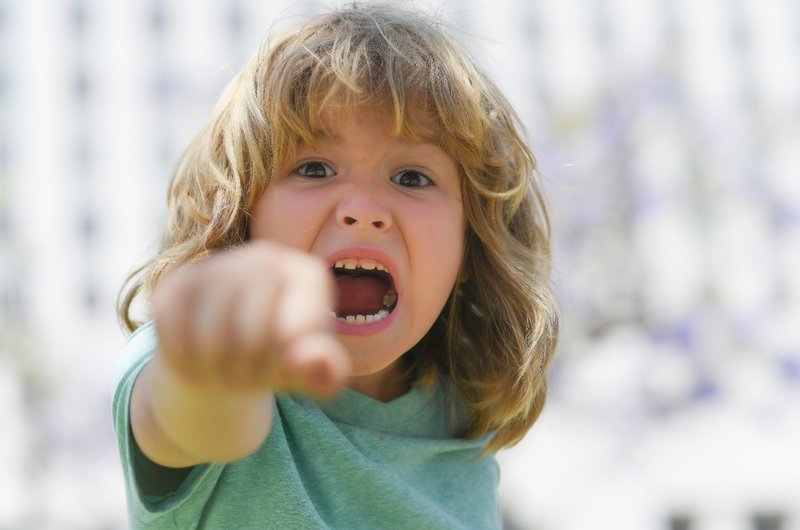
[(254, 320)]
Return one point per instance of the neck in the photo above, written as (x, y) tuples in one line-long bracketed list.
[(385, 385)]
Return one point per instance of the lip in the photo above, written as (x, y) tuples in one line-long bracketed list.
[(374, 254)]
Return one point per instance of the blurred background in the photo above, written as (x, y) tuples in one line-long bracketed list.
[(668, 136)]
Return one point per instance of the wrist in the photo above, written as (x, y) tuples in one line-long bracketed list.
[(208, 421)]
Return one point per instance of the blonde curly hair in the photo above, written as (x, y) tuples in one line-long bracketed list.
[(496, 336)]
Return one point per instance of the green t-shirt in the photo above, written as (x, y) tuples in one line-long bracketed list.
[(351, 462)]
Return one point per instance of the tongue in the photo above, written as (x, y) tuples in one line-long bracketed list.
[(359, 295)]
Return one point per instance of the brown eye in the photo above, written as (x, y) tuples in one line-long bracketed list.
[(411, 179), (314, 170)]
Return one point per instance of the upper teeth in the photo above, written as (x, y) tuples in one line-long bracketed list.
[(352, 264)]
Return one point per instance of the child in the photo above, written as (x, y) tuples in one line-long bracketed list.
[(350, 309)]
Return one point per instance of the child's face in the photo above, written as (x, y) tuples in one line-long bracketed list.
[(365, 199)]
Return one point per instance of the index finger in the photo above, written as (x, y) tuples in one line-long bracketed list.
[(306, 299)]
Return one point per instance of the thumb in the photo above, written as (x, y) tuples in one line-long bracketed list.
[(317, 363)]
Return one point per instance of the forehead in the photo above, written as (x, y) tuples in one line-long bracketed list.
[(363, 129), (408, 120), (368, 132)]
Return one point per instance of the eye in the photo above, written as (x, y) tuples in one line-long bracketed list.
[(314, 170), (412, 179)]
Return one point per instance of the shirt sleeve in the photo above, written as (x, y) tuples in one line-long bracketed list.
[(182, 508)]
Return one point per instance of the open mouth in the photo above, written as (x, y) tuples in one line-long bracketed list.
[(365, 291)]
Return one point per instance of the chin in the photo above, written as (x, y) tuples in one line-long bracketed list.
[(372, 354)]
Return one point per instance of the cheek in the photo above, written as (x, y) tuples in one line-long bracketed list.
[(441, 240), (265, 214), (285, 216)]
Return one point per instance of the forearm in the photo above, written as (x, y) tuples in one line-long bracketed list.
[(177, 423)]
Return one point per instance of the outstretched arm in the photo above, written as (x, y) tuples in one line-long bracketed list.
[(231, 330)]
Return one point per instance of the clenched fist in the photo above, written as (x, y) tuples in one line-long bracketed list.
[(253, 318)]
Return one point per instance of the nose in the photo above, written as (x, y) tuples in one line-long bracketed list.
[(360, 209)]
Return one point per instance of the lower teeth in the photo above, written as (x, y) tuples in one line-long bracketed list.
[(362, 319)]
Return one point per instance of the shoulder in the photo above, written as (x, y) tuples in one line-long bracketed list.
[(139, 348)]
